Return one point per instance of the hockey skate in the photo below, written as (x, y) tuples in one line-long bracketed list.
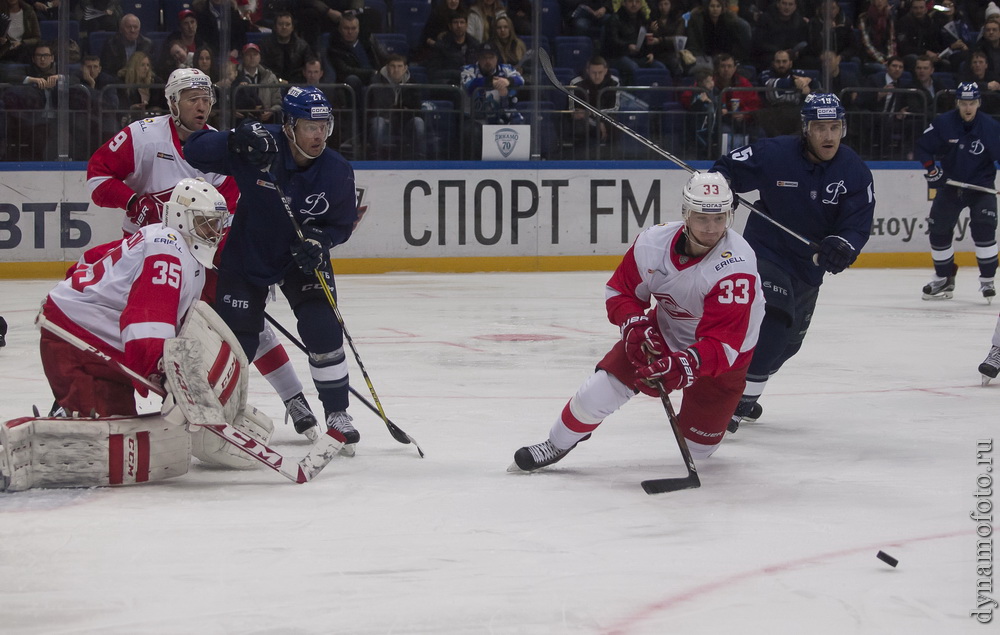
[(991, 365), (341, 422), (297, 409), (987, 289), (753, 412), (940, 289), (533, 457), (3, 332)]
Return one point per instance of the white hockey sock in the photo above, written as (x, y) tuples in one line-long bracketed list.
[(273, 363), (754, 388), (597, 398)]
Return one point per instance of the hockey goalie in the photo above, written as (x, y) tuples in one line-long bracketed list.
[(127, 319)]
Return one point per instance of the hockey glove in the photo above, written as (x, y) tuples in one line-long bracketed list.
[(675, 371), (835, 254), (255, 144), (144, 209), (642, 338), (933, 175), (312, 253)]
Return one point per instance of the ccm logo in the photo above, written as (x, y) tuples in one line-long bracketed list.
[(131, 457)]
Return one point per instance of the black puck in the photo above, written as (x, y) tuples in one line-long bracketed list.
[(886, 558)]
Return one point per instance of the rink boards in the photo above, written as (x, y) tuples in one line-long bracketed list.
[(485, 216)]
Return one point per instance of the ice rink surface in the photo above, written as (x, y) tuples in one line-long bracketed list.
[(868, 442)]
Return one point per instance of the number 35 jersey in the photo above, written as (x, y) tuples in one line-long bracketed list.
[(126, 299), (711, 304)]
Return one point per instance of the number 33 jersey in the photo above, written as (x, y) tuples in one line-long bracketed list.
[(712, 304), (126, 298)]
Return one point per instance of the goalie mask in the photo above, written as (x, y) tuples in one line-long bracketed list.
[(199, 213)]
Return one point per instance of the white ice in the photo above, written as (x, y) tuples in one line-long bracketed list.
[(868, 443)]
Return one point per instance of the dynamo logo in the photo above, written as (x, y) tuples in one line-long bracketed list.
[(506, 140)]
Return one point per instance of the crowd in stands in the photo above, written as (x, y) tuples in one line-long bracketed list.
[(728, 70)]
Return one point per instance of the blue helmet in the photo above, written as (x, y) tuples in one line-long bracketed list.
[(307, 102), (967, 91), (822, 107)]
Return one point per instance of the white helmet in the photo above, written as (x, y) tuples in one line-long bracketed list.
[(708, 193), (199, 213), (183, 79)]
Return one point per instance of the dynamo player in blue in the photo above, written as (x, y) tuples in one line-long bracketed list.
[(818, 188), (967, 143), (262, 247)]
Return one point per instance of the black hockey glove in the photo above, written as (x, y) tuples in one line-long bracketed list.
[(253, 142), (835, 254), (933, 175), (312, 253)]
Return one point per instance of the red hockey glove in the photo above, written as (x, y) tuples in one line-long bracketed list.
[(642, 339), (144, 209), (675, 371)]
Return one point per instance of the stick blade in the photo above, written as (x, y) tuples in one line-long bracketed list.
[(664, 485)]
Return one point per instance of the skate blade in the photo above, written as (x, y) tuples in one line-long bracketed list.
[(986, 380), (311, 433), (947, 295), (348, 450)]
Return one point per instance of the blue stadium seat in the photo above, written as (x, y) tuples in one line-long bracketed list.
[(548, 125), (170, 10), (418, 74), (529, 42), (851, 66), (383, 11), (409, 18), (256, 37), (394, 43), (652, 77), (573, 51), (444, 129), (50, 30), (565, 75), (148, 12), (96, 40), (159, 39), (551, 19), (948, 79)]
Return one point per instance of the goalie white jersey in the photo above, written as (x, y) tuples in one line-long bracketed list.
[(712, 304), (131, 299)]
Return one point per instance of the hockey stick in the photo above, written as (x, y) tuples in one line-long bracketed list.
[(322, 452), (302, 347), (396, 432), (546, 64), (691, 481), (970, 186)]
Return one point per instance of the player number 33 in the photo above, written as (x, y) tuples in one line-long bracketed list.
[(734, 291)]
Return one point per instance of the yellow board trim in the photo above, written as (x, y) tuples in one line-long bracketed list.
[(57, 270)]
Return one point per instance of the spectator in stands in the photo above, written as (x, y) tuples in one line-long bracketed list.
[(204, 60), (712, 31), (122, 45), (23, 32), (103, 103), (519, 12), (482, 14), (990, 44), (188, 34), (37, 101), (100, 15), (256, 94), (599, 88), (917, 34), (453, 51), (508, 45), (144, 93), (887, 127), (705, 104), (885, 100), (988, 82), (93, 76), (931, 88), (356, 60), (786, 87), (877, 28), (837, 79), (666, 25), (210, 14), (829, 17), (782, 27), (176, 57), (956, 34), (492, 86), (394, 111), (623, 31), (48, 10), (438, 23), (283, 51), (737, 108), (587, 18), (312, 74)]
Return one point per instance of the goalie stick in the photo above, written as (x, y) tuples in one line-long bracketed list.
[(691, 481), (322, 452), (546, 64), (396, 432)]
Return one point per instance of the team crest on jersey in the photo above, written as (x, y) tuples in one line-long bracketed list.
[(317, 205), (674, 310), (164, 155), (977, 147), (835, 190)]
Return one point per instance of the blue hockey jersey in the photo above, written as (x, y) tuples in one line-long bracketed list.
[(814, 200), (258, 245), (966, 151)]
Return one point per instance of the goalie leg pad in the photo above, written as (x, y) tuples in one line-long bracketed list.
[(91, 452), (209, 448), (221, 356)]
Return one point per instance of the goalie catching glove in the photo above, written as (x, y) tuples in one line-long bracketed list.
[(312, 253), (642, 339), (675, 371)]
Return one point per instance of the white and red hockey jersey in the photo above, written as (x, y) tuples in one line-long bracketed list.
[(131, 299), (712, 304), (146, 158)]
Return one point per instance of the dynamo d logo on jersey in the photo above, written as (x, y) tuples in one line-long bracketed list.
[(317, 205), (506, 140), (835, 190)]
